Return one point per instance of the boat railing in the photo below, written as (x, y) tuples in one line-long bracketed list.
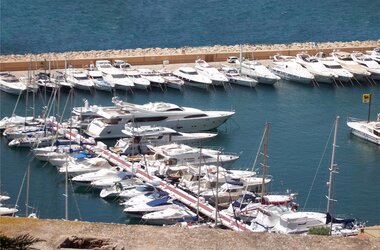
[(353, 119)]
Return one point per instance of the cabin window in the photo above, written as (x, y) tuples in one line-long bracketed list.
[(196, 116), (150, 119)]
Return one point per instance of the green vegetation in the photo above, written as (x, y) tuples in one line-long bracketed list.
[(319, 231), (20, 242)]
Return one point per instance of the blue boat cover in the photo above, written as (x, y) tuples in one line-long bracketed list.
[(80, 155), (237, 183), (158, 202)]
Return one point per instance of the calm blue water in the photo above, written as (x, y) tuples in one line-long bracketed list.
[(301, 120), (301, 117), (56, 26)]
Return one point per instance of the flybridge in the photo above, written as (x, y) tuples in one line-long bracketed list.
[(189, 200)]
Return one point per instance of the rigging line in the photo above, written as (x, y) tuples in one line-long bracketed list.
[(18, 99), (319, 165), (19, 192), (75, 200)]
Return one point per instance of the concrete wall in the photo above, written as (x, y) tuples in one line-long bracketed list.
[(173, 59)]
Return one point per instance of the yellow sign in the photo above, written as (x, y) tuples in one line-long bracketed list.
[(366, 98)]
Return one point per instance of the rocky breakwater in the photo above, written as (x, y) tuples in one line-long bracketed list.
[(147, 56)]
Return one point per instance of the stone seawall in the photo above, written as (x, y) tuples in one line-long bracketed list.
[(151, 56)]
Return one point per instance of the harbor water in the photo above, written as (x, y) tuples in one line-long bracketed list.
[(57, 26), (301, 117), (299, 148)]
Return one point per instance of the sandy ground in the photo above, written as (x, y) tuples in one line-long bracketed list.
[(185, 50), (119, 236)]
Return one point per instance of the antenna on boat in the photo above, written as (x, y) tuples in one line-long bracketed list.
[(199, 181), (217, 190)]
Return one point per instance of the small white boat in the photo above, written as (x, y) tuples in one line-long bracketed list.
[(318, 69), (109, 180), (152, 206), (181, 154), (24, 131), (367, 130), (97, 78), (144, 198), (256, 70), (123, 185), (172, 81), (192, 78), (153, 77), (137, 139), (15, 120), (60, 80), (288, 69), (86, 179), (10, 84), (299, 222), (34, 141), (85, 166), (7, 211), (44, 80), (138, 81), (139, 190), (368, 63), (79, 79), (217, 78), (170, 216), (235, 77)]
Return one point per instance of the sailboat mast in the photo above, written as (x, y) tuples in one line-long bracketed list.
[(240, 58), (199, 182), (27, 192), (333, 167), (265, 161)]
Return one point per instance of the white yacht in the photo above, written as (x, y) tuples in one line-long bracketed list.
[(181, 154), (288, 69), (105, 173), (139, 190), (86, 166), (345, 59), (114, 76), (137, 139), (375, 54), (235, 77), (318, 69), (44, 80), (60, 80), (329, 62), (144, 198), (170, 216), (171, 80), (152, 206), (115, 190), (366, 130), (258, 71), (192, 78), (217, 78), (154, 78), (138, 81), (368, 63), (79, 79), (299, 222), (182, 119), (10, 84), (96, 77)]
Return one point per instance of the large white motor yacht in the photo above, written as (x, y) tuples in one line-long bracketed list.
[(375, 54), (299, 222), (288, 69), (138, 81), (154, 78), (235, 77), (258, 71), (96, 77), (217, 78), (10, 84), (329, 62), (192, 78), (345, 59), (182, 119), (137, 139), (79, 79), (114, 76), (318, 69), (366, 130), (368, 63)]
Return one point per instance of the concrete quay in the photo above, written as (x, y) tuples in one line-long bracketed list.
[(156, 56)]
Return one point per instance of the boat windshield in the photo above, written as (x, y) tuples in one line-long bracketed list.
[(81, 77), (118, 75), (190, 72), (337, 66)]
